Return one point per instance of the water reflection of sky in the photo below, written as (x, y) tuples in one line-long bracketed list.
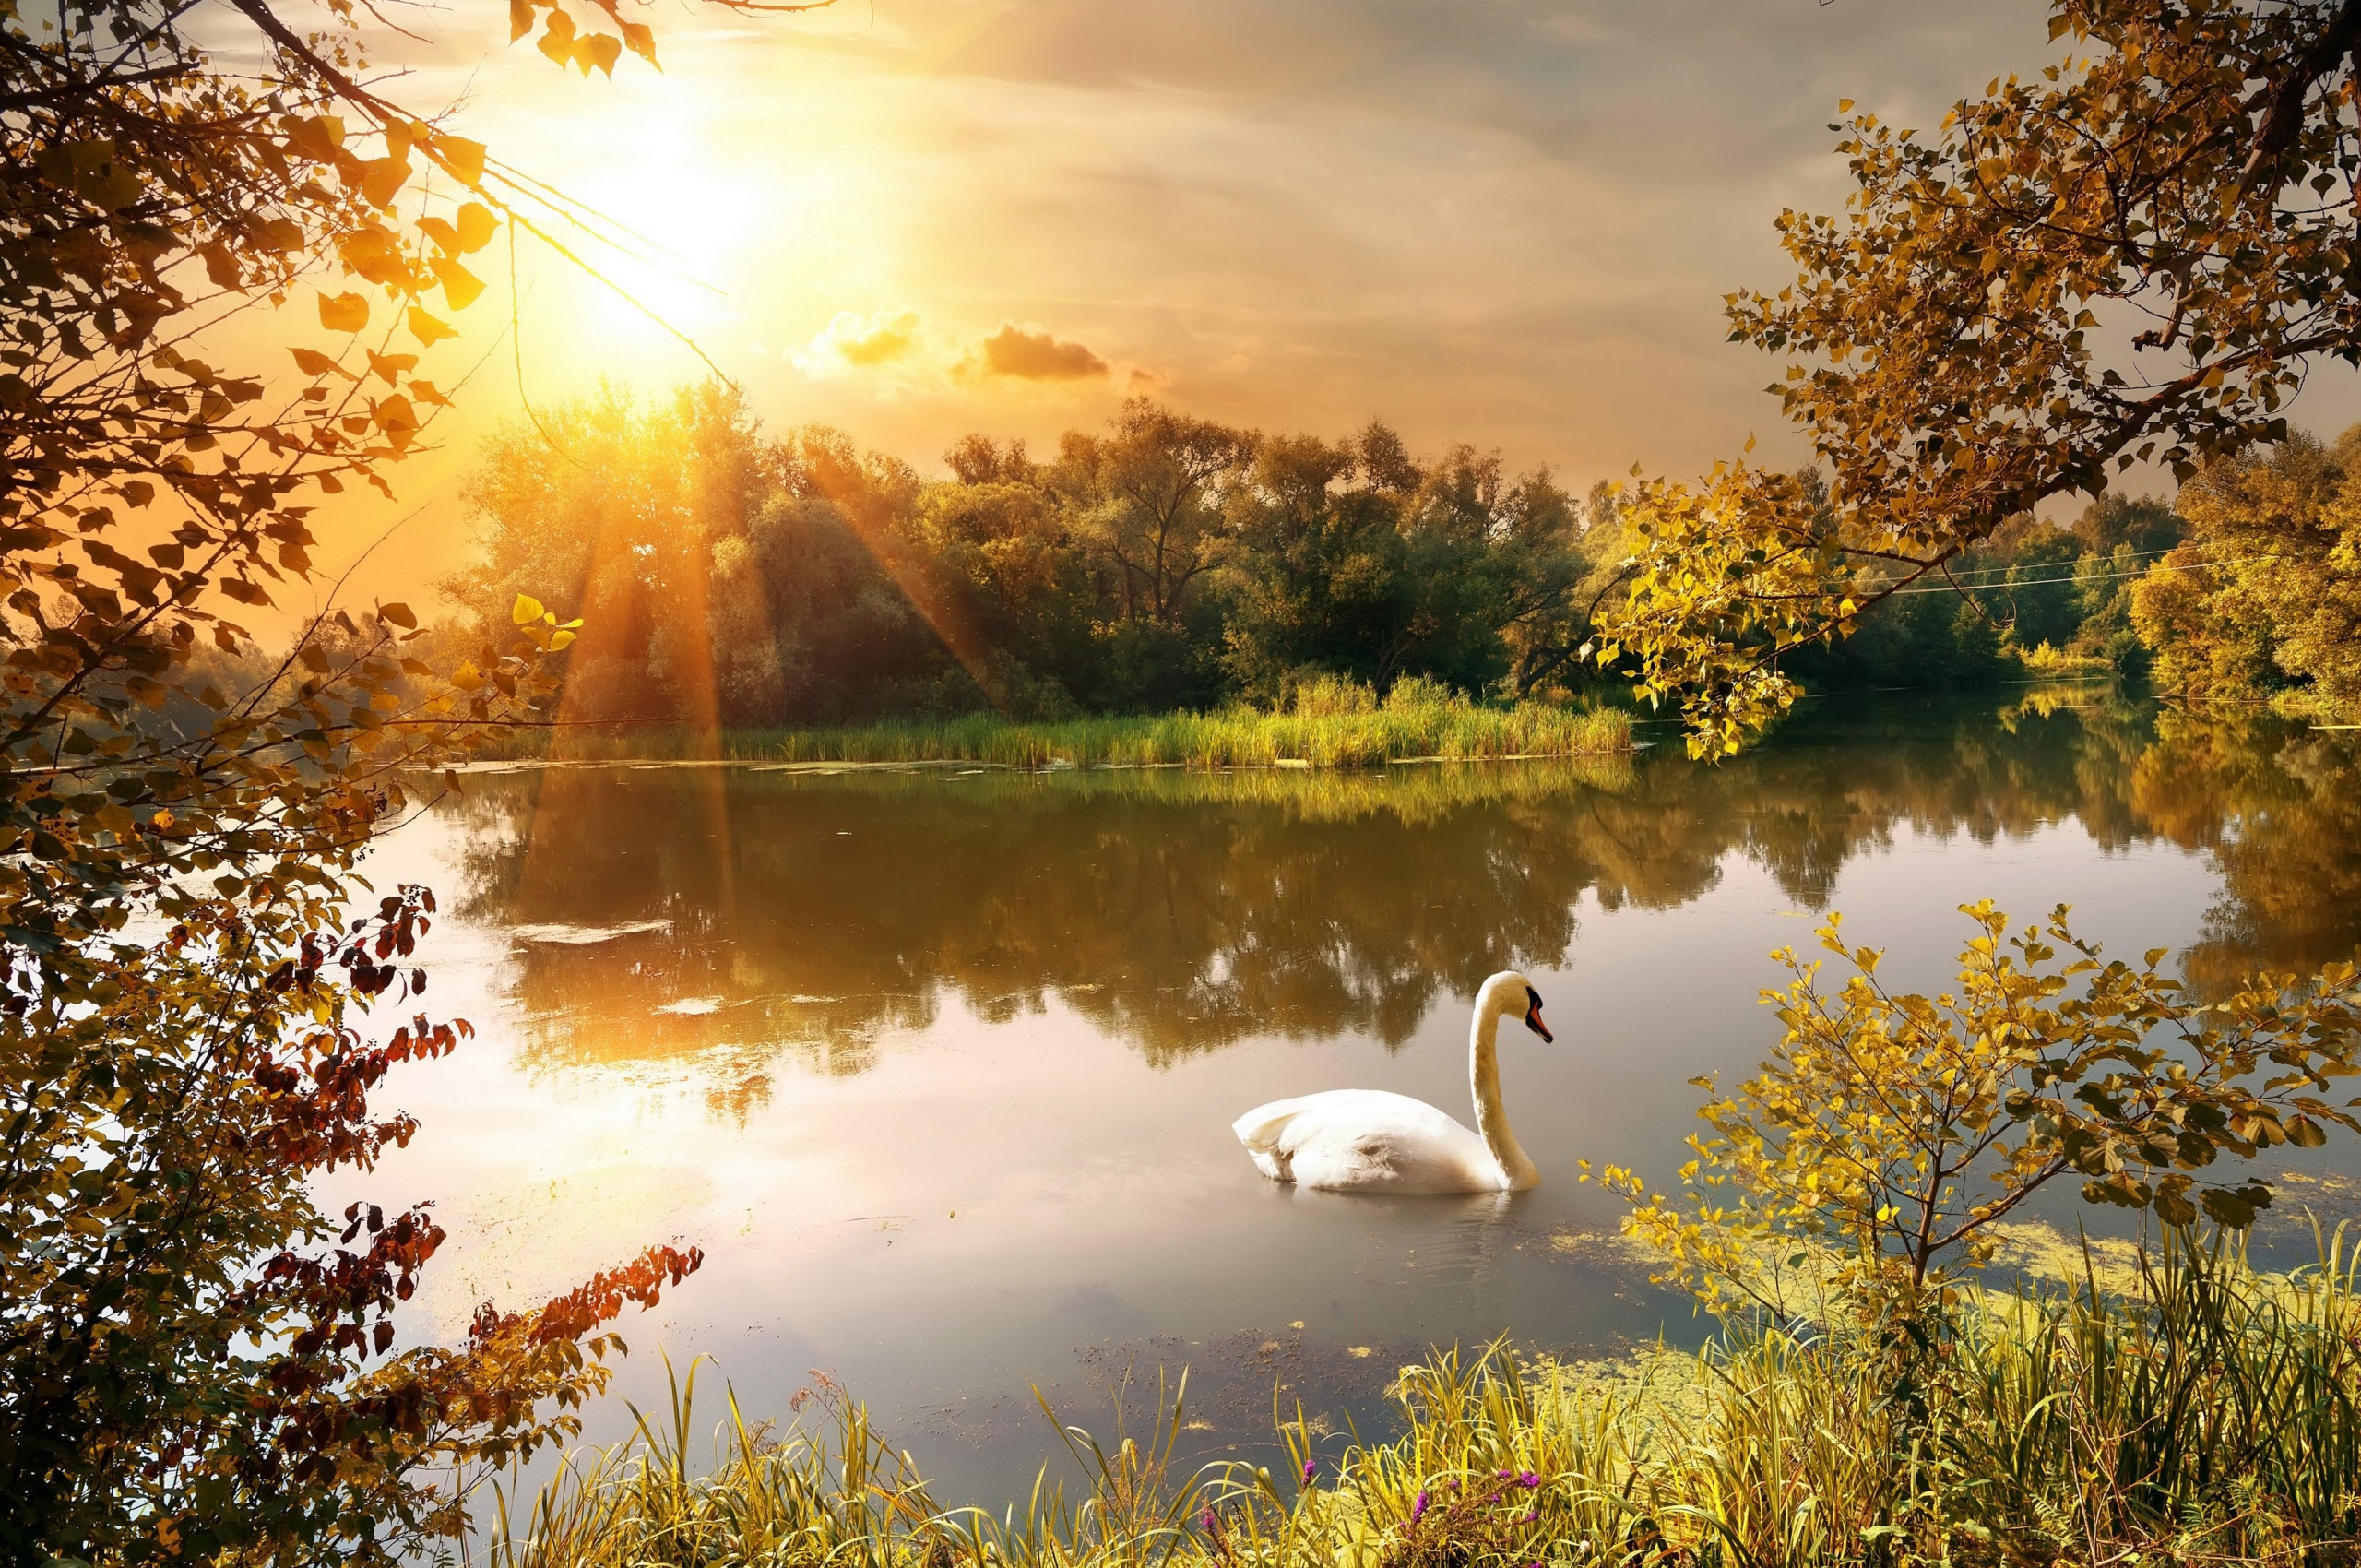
[(939, 1066)]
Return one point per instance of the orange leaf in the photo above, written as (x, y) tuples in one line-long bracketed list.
[(311, 362), (344, 313)]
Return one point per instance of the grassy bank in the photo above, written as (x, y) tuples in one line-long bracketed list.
[(1333, 726), (2208, 1417)]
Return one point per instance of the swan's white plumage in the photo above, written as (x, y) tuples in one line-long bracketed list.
[(1368, 1140)]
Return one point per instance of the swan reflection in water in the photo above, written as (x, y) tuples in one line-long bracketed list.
[(1370, 1141)]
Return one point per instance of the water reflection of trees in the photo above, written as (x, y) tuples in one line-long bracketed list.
[(2279, 811), (1183, 911)]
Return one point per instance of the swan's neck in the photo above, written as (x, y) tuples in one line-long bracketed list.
[(1491, 1118)]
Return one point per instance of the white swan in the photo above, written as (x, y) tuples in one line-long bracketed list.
[(1368, 1141)]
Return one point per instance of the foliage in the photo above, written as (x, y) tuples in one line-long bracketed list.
[(1895, 1129), (182, 1372), (2208, 1418), (2266, 597), (2129, 257), (1354, 559), (1169, 562), (192, 1360)]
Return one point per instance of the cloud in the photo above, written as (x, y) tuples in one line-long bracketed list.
[(1032, 354), (900, 354), (862, 342)]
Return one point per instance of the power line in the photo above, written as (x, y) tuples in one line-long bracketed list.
[(2109, 555), (2092, 578)]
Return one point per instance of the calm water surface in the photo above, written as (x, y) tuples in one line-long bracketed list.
[(938, 1066)]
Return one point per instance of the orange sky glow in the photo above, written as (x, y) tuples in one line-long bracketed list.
[(1509, 222)]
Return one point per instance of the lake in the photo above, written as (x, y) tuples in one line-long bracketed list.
[(938, 1065)]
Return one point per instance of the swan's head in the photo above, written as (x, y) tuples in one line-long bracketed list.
[(1510, 994)]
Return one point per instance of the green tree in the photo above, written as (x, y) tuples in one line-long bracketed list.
[(1498, 564), (2149, 527), (1151, 494), (1022, 581), (638, 516), (1354, 560)]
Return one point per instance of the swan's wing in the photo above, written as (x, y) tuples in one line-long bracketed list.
[(1364, 1138), (1263, 1127), (1264, 1131)]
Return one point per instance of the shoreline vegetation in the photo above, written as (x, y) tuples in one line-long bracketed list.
[(1332, 724), (2177, 1406)]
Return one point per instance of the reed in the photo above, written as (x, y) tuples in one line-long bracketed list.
[(2209, 1416), (1418, 719)]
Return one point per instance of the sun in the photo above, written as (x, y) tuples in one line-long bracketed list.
[(673, 231)]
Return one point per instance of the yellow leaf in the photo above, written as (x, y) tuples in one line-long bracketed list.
[(477, 226), (526, 610), (558, 640), (462, 159), (557, 37), (426, 329), (382, 179), (598, 49), (460, 286), (344, 313)]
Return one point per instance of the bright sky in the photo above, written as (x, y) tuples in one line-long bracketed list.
[(1504, 222)]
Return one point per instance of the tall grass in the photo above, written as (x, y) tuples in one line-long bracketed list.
[(1330, 724), (2209, 1417)]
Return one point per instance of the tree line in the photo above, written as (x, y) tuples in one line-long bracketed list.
[(1170, 562)]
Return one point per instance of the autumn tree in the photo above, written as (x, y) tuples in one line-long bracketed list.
[(2129, 257), (192, 1360), (1890, 1133), (2265, 598)]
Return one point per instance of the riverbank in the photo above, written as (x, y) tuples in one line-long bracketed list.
[(2188, 1410), (1449, 729)]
